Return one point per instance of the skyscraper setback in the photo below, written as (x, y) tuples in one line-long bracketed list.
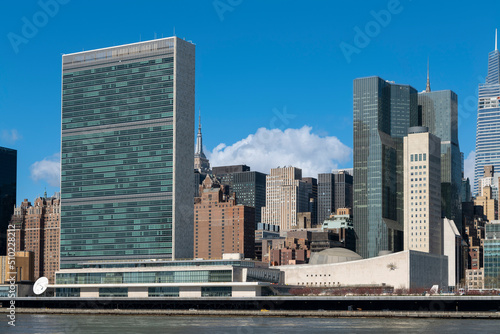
[(383, 112), (127, 152), (488, 119)]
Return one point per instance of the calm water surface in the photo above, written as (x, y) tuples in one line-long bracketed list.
[(55, 324)]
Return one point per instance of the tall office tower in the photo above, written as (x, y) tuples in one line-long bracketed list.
[(201, 163), (38, 230), (8, 177), (465, 194), (343, 190), (221, 225), (383, 112), (488, 119), (250, 190), (335, 191), (422, 200), (127, 143), (326, 196), (439, 112), (286, 196), (311, 184)]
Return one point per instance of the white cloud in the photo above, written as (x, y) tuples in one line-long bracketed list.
[(268, 149), (49, 170), (11, 136), (469, 164)]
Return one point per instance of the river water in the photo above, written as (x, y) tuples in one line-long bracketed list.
[(121, 324)]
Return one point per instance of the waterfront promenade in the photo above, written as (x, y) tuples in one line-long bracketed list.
[(459, 306)]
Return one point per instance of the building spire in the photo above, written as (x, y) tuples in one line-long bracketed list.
[(496, 40), (428, 87), (199, 142)]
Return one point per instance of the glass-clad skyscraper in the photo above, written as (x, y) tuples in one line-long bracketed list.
[(383, 112), (127, 152), (488, 120), (439, 112), (492, 255)]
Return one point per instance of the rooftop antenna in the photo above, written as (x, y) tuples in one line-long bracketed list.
[(496, 49), (428, 87), (174, 31), (155, 35)]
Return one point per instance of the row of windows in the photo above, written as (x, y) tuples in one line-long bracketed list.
[(164, 116), (133, 191), (105, 69), (115, 76), (115, 112), (193, 276), (158, 237), (418, 157), (116, 225), (111, 210), (159, 250), (145, 106)]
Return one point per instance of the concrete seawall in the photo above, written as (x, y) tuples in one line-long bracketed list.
[(268, 313)]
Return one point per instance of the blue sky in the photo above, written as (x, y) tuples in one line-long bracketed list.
[(277, 66)]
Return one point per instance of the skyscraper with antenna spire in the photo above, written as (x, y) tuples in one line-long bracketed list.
[(438, 111), (201, 163), (428, 86), (488, 119)]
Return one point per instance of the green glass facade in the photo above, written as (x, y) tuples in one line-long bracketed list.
[(187, 276), (163, 291), (216, 291), (127, 143), (383, 112), (491, 253), (439, 112)]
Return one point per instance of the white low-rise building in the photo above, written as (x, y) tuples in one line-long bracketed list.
[(407, 270)]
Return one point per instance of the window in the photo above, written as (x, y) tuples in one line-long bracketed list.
[(113, 292), (213, 291)]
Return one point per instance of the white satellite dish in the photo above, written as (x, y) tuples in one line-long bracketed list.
[(40, 285)]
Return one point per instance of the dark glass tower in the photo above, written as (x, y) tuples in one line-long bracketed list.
[(488, 120), (440, 114), (326, 196), (383, 112), (343, 190), (250, 190), (127, 152), (8, 177)]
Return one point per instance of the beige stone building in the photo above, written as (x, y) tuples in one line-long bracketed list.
[(286, 196), (423, 226), (488, 203)]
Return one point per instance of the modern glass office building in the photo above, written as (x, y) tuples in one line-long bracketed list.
[(492, 255), (127, 152), (8, 181), (383, 112), (439, 112), (488, 120)]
